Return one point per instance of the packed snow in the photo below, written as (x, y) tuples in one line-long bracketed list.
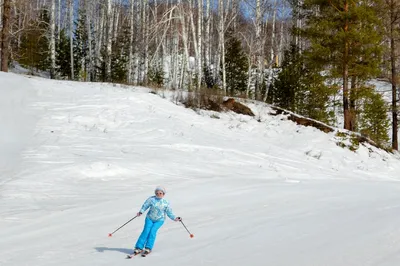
[(77, 160)]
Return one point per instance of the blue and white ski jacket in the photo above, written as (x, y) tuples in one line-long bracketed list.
[(158, 209)]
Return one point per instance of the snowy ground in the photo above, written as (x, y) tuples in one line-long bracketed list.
[(78, 160)]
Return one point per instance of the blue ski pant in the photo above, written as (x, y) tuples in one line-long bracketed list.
[(149, 233)]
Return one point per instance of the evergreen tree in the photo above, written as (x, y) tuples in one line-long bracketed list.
[(156, 76), (208, 77), (81, 46), (63, 56), (236, 65), (300, 88), (100, 66), (120, 55), (344, 39), (373, 117)]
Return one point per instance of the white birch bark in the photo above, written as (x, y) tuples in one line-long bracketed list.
[(131, 39), (52, 39), (58, 19), (199, 43), (89, 15), (99, 34), (271, 63), (116, 16), (207, 45), (175, 61), (280, 47), (221, 31), (195, 40), (156, 26), (273, 36), (259, 48), (71, 36), (181, 16), (109, 40), (146, 41), (138, 44)]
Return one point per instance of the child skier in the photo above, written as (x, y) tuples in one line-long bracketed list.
[(159, 207)]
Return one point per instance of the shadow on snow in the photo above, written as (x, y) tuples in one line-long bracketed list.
[(122, 250)]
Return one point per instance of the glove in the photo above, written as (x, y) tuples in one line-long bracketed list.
[(178, 219), (138, 214)]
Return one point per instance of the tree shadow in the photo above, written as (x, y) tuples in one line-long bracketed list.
[(122, 250)]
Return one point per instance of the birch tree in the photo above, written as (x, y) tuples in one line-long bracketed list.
[(199, 43), (221, 44), (145, 20), (71, 36), (207, 27), (89, 14), (131, 40), (59, 7), (52, 39), (260, 50), (109, 40), (272, 54), (181, 15)]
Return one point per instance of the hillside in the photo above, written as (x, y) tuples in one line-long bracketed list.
[(79, 159)]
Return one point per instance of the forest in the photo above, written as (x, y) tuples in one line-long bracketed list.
[(315, 58)]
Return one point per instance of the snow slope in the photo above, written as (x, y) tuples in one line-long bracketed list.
[(79, 159)]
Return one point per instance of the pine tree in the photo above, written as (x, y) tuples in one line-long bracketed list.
[(344, 38), (288, 85), (300, 88), (236, 65), (120, 56), (373, 117), (63, 56), (81, 46)]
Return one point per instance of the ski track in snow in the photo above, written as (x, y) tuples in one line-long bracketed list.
[(84, 156)]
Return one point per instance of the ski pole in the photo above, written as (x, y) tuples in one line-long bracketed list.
[(190, 234), (110, 234)]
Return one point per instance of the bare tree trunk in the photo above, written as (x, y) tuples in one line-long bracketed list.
[(271, 63), (346, 111), (100, 29), (116, 8), (71, 36), (235, 8), (52, 39), (146, 41), (199, 43), (207, 44), (1, 15), (280, 47), (155, 23), (139, 43), (181, 16), (131, 39), (89, 15), (109, 40), (175, 61), (221, 30), (58, 19), (193, 28), (5, 42), (259, 48)]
